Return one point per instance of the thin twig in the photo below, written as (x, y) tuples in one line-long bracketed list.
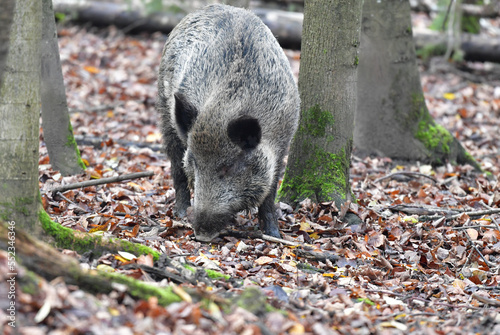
[(476, 213), (477, 250), (473, 227), (101, 181), (278, 240), (317, 256), (450, 214), (486, 300), (446, 304), (71, 202), (405, 173), (497, 226)]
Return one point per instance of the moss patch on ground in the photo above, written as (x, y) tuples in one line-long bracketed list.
[(67, 238)]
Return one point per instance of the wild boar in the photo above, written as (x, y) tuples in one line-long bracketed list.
[(229, 107)]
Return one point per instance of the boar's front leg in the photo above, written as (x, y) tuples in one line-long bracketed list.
[(182, 192), (175, 151), (267, 216)]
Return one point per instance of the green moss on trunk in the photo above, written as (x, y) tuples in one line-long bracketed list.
[(71, 143), (319, 174), (323, 178)]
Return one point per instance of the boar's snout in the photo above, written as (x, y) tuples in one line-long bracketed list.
[(208, 225)]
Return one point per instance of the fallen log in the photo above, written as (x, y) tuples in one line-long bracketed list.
[(286, 26), (476, 48)]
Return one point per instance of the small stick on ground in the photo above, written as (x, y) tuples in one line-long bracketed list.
[(71, 202), (476, 213), (476, 249), (278, 240), (405, 173), (485, 300), (101, 181)]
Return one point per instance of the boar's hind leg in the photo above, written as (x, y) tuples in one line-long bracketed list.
[(267, 216)]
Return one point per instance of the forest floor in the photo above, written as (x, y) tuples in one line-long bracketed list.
[(426, 260)]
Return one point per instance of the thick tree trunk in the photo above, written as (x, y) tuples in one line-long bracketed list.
[(318, 164), (58, 133), (19, 115), (392, 118), (5, 23)]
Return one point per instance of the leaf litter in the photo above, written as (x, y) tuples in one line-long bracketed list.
[(423, 261)]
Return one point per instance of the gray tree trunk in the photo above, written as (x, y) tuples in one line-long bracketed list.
[(5, 22), (19, 115), (392, 118), (57, 131), (318, 164)]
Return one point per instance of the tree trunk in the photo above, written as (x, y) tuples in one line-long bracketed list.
[(318, 164), (5, 22), (19, 115), (57, 131), (392, 118)]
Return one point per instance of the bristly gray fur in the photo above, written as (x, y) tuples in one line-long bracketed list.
[(229, 108)]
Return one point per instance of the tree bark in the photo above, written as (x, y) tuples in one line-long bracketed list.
[(392, 118), (318, 164), (57, 131), (19, 115), (5, 23)]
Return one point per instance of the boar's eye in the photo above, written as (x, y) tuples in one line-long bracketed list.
[(245, 132), (185, 113)]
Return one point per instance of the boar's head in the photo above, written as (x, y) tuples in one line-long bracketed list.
[(229, 164)]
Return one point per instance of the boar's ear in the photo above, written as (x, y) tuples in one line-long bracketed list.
[(245, 132), (185, 113)]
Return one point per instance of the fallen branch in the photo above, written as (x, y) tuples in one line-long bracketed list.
[(286, 26), (101, 181)]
